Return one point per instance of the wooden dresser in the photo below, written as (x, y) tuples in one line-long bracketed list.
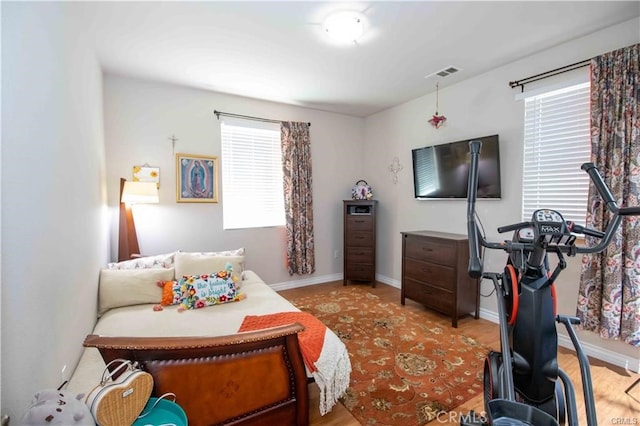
[(359, 241), (434, 273)]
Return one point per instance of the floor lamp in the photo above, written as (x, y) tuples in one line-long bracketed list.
[(132, 193)]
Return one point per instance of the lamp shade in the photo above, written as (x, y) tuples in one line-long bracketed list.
[(140, 193)]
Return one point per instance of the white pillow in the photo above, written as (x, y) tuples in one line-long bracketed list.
[(236, 252), (124, 287), (147, 262), (206, 263)]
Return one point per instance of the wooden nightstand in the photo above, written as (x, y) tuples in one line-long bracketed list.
[(359, 245)]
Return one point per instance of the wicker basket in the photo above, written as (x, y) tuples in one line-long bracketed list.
[(117, 402)]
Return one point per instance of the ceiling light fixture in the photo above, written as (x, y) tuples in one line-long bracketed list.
[(344, 26)]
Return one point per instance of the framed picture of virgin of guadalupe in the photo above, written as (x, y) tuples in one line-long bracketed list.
[(196, 179)]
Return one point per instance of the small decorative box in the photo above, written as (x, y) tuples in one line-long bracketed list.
[(361, 191)]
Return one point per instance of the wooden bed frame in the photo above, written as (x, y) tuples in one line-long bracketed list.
[(222, 380)]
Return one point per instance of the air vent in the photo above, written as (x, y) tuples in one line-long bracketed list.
[(444, 72), (448, 71)]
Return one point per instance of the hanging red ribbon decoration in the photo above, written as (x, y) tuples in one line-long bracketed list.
[(437, 120)]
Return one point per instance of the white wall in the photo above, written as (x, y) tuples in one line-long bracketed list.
[(480, 106), (140, 116), (54, 227)]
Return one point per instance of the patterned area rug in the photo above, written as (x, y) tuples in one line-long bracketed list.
[(406, 369)]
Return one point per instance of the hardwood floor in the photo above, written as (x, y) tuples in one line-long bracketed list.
[(613, 405)]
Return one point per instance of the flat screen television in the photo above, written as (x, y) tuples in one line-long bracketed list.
[(442, 171)]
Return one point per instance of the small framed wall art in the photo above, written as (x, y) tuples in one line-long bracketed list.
[(146, 173), (196, 179)]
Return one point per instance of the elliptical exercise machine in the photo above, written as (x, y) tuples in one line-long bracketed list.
[(523, 384)]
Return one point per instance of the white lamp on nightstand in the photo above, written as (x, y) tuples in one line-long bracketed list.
[(132, 193)]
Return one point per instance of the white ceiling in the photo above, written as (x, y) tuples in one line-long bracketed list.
[(277, 50)]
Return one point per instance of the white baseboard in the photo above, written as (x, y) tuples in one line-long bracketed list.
[(325, 279), (629, 363), (388, 281), (489, 315), (306, 282)]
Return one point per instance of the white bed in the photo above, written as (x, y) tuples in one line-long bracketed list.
[(140, 320)]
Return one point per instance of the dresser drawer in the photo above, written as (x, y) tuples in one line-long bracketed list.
[(360, 239), (430, 273), (360, 255), (430, 250), (432, 297), (360, 271), (359, 223)]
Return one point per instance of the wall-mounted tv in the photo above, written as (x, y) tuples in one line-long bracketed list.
[(442, 171)]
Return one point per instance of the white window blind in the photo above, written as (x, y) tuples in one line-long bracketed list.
[(252, 180), (556, 143)]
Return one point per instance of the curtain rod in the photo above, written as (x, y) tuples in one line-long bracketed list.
[(551, 73), (248, 117)]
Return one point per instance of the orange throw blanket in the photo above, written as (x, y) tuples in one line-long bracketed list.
[(311, 339)]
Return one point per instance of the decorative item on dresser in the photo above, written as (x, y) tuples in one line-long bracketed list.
[(434, 273), (361, 191), (360, 241)]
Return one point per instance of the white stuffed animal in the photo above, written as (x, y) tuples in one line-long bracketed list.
[(58, 407)]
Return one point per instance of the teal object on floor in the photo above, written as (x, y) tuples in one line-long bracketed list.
[(161, 412)]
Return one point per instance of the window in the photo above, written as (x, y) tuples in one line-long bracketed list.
[(556, 143), (252, 180)]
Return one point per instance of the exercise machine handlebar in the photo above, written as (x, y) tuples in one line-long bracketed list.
[(475, 264), (477, 240)]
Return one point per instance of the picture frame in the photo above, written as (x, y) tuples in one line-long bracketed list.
[(146, 173), (196, 178)]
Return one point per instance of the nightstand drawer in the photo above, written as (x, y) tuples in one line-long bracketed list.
[(360, 239), (360, 255), (430, 273), (360, 271), (359, 223), (422, 249)]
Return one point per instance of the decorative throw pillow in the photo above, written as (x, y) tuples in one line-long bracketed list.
[(148, 262), (171, 292), (130, 287), (204, 263), (209, 289)]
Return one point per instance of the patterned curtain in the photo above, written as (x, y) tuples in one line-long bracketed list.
[(609, 295), (298, 199)]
